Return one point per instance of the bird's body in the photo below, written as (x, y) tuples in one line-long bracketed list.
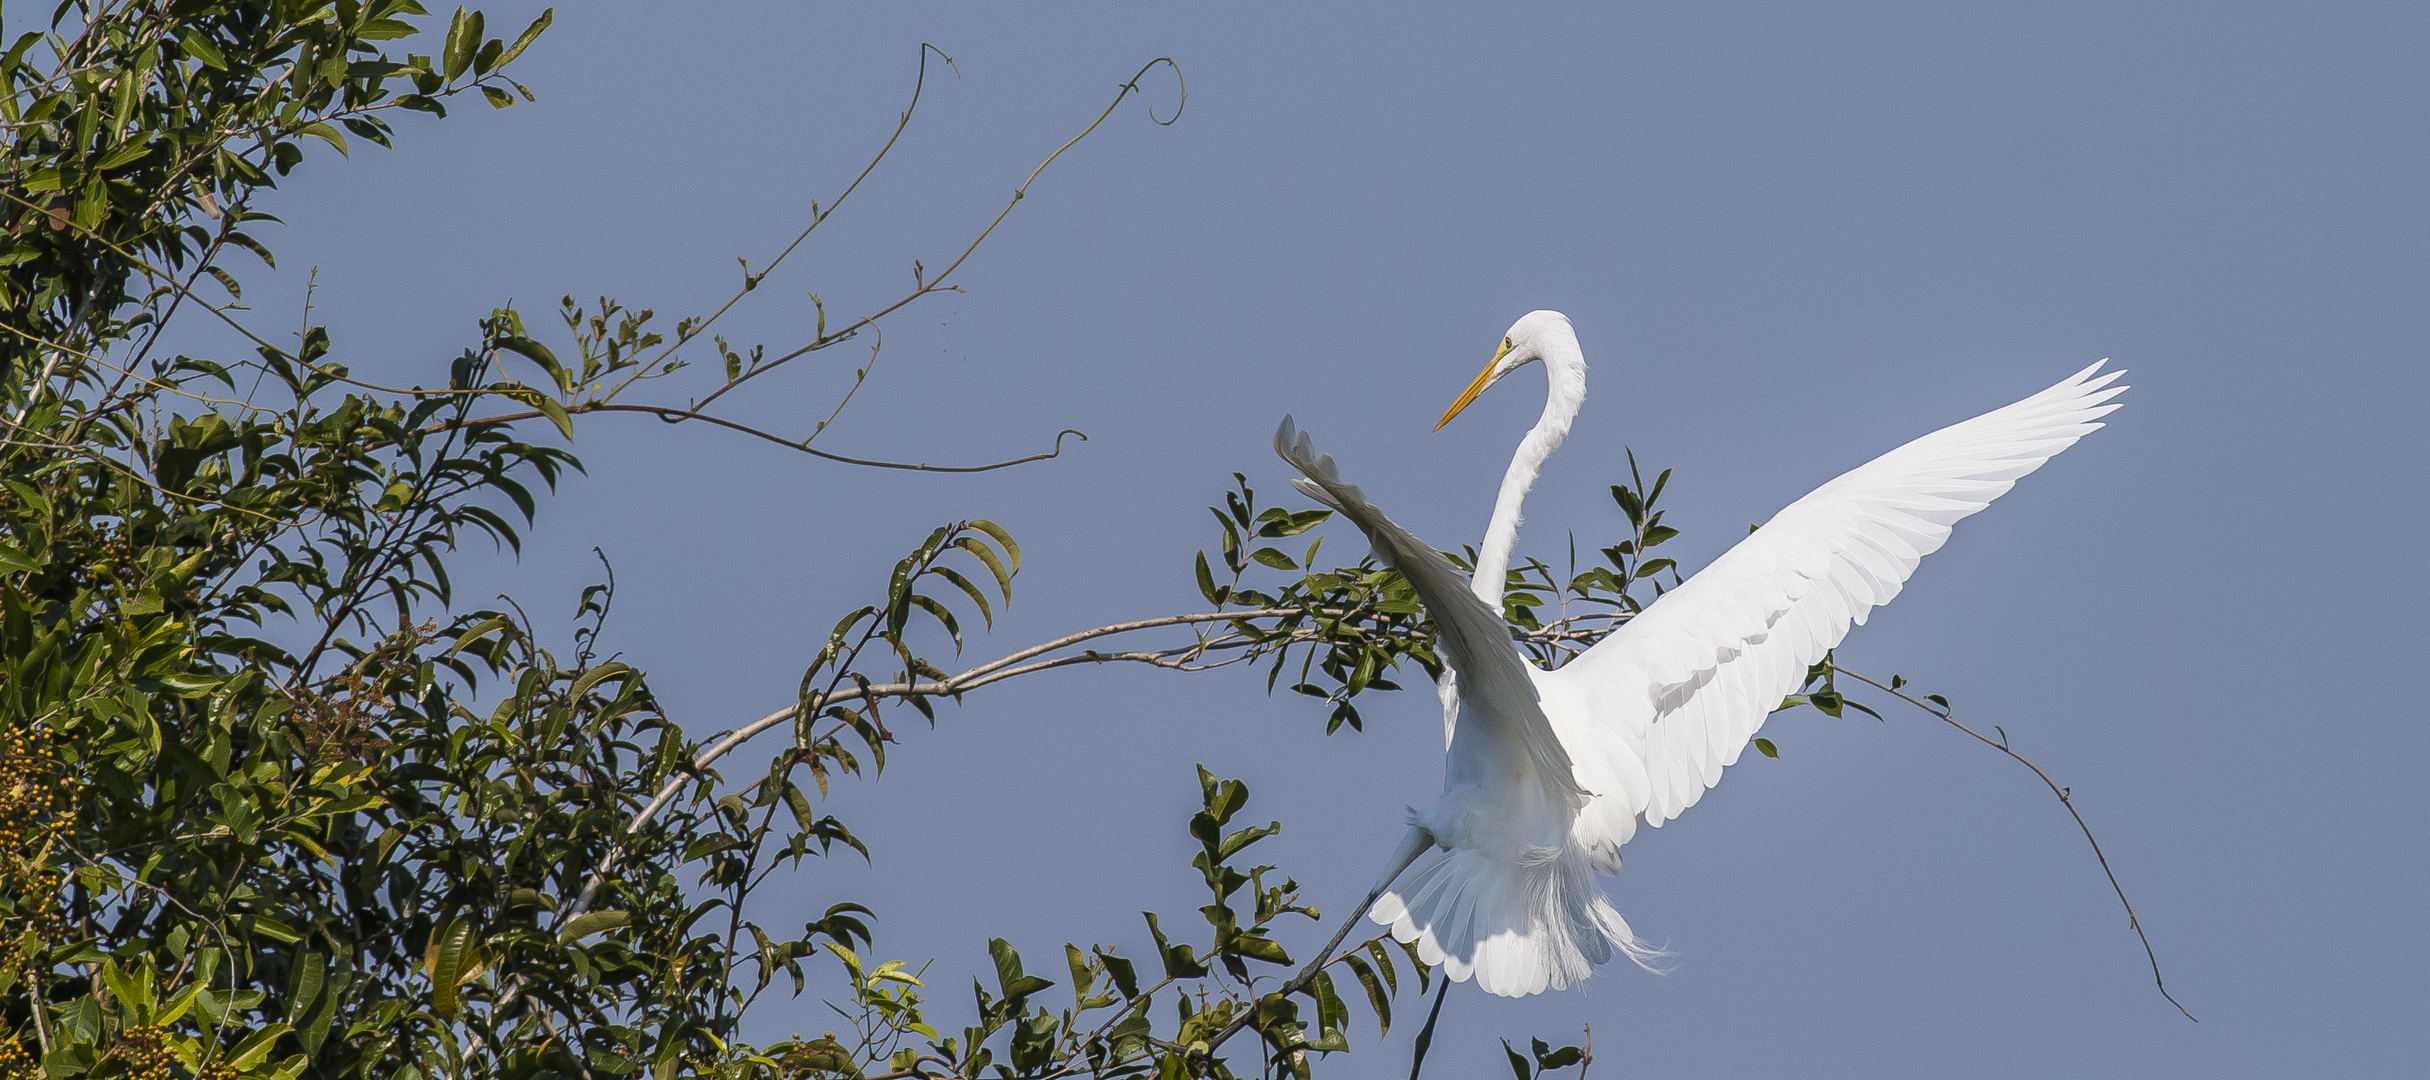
[(1548, 772)]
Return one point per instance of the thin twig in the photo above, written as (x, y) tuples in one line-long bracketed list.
[(937, 283), (818, 216), (996, 670), (1948, 716), (966, 680), (677, 416)]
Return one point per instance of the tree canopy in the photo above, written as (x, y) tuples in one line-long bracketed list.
[(275, 803)]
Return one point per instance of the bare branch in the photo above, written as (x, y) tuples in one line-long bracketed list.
[(1948, 716), (996, 670), (819, 216), (677, 416), (937, 283), (981, 675)]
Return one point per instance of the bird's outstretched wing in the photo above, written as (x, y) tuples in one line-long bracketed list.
[(1653, 713), (1474, 639)]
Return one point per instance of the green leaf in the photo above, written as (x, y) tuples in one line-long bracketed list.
[(1629, 504), (799, 804), (592, 922), (1383, 965), (987, 558), (1009, 979), (986, 614), (1083, 980), (1120, 969), (486, 59), (942, 614), (129, 990), (1765, 747), (583, 683), (390, 29), (1518, 1064), (1232, 844), (255, 1047), (14, 561), (1425, 973), (1206, 582), (1332, 1017), (270, 928), (530, 34), (556, 415), (539, 354), (326, 134), (1377, 998), (1178, 961), (1276, 559), (478, 631), (452, 960), (16, 52), (463, 40), (1256, 946), (198, 47), (1004, 540), (175, 1008), (124, 155)]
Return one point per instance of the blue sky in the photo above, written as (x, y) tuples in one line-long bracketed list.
[(1791, 237)]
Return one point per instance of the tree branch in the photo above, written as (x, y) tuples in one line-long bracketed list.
[(1949, 717), (677, 416), (937, 283), (996, 670)]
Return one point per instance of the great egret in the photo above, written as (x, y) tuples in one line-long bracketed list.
[(1548, 772)]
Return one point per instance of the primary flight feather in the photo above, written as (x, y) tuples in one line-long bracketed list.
[(1548, 772)]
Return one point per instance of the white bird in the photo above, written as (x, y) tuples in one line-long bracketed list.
[(1548, 772)]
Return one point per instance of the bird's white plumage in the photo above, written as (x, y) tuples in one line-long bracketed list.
[(1654, 712), (1514, 903), (1473, 637), (1649, 717)]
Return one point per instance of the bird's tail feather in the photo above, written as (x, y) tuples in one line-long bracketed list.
[(1518, 928)]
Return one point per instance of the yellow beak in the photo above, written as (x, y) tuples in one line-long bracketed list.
[(1477, 386)]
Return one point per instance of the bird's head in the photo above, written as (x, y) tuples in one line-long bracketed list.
[(1528, 340)]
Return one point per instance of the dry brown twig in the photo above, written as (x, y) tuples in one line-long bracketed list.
[(1948, 716)]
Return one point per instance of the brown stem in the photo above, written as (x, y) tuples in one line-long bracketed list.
[(919, 82), (2132, 923), (1001, 668), (937, 283), (677, 416), (966, 680)]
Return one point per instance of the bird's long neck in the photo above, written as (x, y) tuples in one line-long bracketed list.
[(1565, 393)]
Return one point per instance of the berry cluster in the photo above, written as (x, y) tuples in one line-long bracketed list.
[(16, 1063), (36, 802), (146, 1051)]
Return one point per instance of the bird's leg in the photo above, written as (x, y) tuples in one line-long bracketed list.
[(1415, 844), (1425, 1037)]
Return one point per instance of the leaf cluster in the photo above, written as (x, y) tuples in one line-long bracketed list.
[(1341, 631), (1219, 985), (274, 805)]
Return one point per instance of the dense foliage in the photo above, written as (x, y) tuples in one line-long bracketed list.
[(273, 804)]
